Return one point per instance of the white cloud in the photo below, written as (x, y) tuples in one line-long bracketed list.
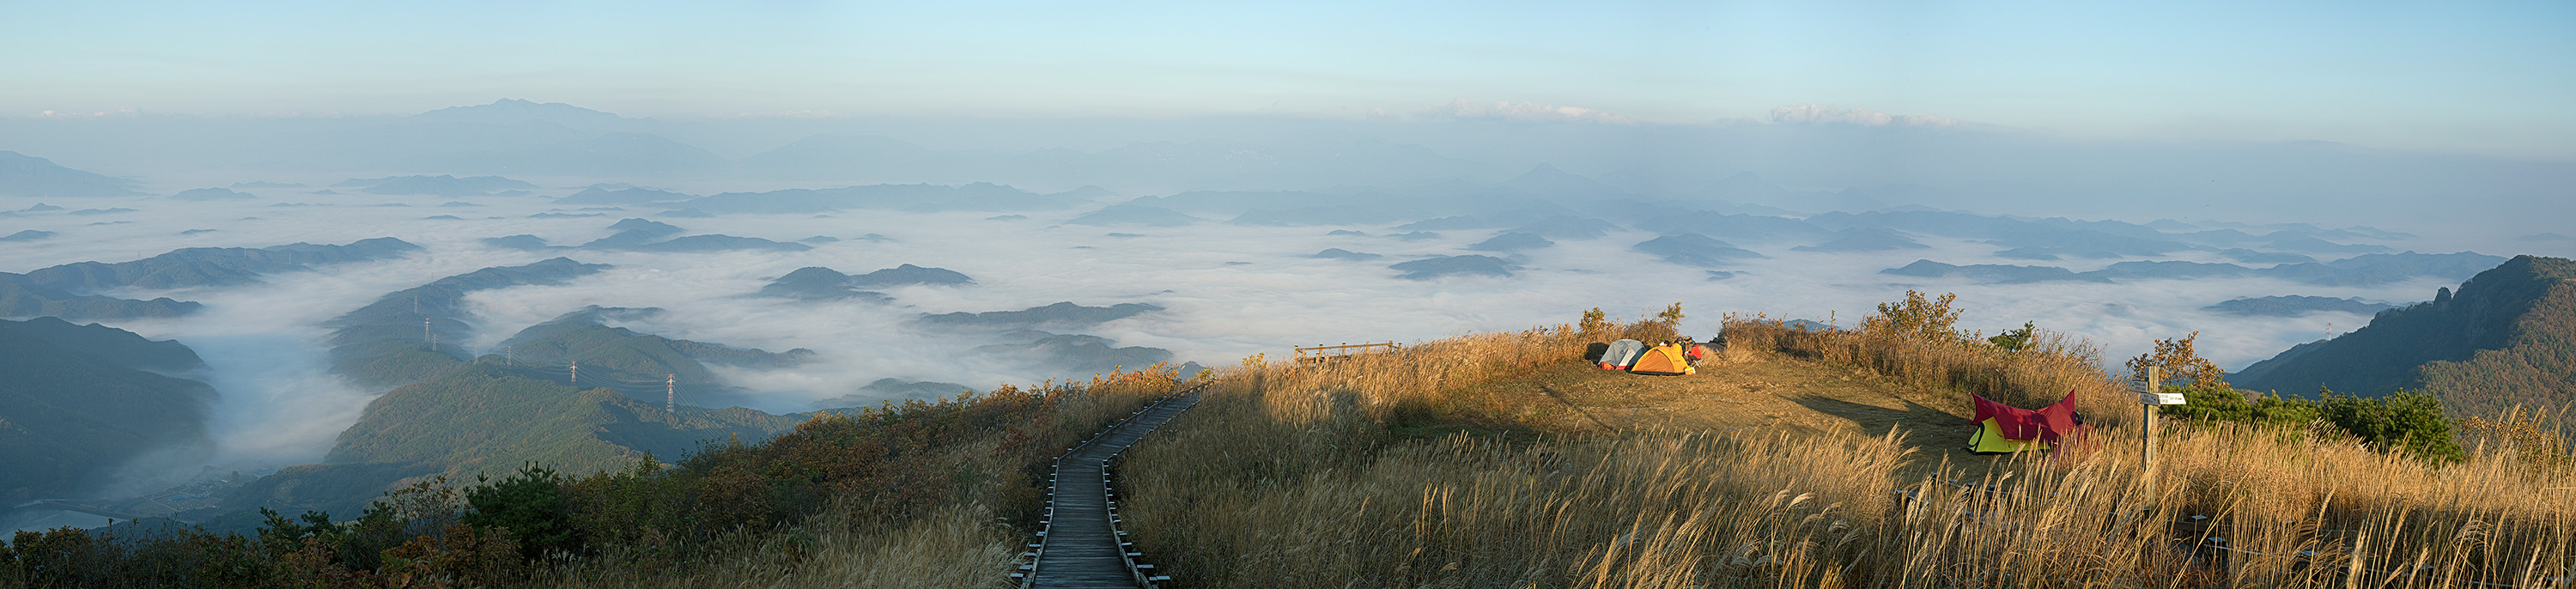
[(1818, 113), (1524, 111), (122, 113)]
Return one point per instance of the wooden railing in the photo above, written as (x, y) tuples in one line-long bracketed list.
[(1320, 353)]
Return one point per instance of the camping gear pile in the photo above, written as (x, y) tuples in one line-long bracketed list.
[(1672, 358), (2003, 429)]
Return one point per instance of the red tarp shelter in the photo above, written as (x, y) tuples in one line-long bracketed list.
[(2005, 428)]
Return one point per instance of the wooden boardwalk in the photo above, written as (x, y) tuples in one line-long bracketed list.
[(1083, 545)]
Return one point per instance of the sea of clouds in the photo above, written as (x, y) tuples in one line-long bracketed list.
[(1228, 291)]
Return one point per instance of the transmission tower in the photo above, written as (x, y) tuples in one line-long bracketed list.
[(429, 334), (576, 372)]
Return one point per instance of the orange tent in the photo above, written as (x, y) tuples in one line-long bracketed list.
[(1663, 360)]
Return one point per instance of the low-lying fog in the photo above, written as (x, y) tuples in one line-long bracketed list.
[(1227, 291)]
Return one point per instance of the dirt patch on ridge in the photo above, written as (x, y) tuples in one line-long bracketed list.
[(1748, 392)]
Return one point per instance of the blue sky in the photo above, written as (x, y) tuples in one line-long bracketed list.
[(2490, 78)]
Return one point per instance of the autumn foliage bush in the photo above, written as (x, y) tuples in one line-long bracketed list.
[(878, 465)]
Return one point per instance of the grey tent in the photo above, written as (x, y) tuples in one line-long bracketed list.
[(1622, 354)]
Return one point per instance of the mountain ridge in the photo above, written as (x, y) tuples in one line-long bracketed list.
[(2507, 337)]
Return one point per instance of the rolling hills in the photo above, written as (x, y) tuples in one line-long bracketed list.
[(208, 266), (628, 359), (386, 343), (69, 290), (450, 415), (490, 417)]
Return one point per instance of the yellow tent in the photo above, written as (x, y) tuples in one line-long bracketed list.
[(1989, 439), (1664, 360)]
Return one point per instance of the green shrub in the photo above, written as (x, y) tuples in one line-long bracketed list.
[(2407, 422), (2015, 340), (175, 557), (530, 504), (2231, 405)]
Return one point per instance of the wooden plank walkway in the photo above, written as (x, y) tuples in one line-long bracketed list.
[(1083, 546)]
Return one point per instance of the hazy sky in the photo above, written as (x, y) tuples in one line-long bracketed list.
[(2486, 77)]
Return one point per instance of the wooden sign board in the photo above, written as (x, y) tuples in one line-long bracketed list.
[(2145, 385)]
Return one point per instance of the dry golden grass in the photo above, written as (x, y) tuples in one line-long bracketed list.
[(2054, 365), (1291, 476), (968, 542), (960, 546)]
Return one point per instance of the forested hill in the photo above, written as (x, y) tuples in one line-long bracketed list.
[(75, 402), (208, 266), (70, 290), (118, 346), (490, 417), (636, 363), (384, 345), (2507, 337), (452, 414)]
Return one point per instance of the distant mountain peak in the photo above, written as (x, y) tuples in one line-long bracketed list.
[(513, 110), (910, 274), (1546, 180), (1547, 172), (1086, 192), (1746, 180), (26, 175), (830, 140)]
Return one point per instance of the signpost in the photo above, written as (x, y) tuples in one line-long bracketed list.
[(2149, 387)]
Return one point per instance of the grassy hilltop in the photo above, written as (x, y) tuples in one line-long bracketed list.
[(1797, 458), (1786, 473)]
